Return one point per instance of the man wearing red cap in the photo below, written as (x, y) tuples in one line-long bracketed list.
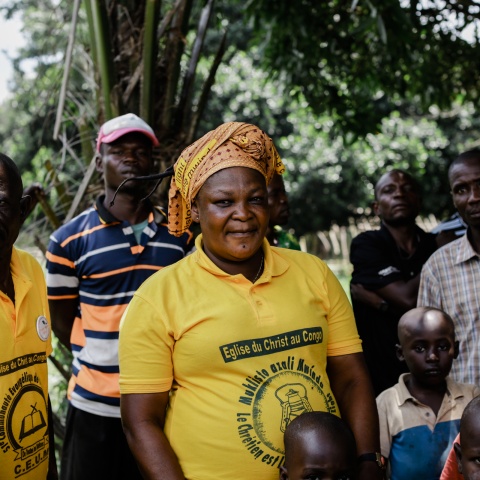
[(95, 263)]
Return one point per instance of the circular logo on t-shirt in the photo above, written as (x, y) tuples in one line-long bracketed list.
[(292, 399), (43, 328), (23, 426)]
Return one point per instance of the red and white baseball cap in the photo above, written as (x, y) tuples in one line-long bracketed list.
[(119, 126)]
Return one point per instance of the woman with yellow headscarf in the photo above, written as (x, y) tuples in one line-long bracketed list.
[(222, 350)]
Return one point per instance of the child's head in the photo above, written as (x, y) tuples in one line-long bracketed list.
[(427, 344), (468, 451), (319, 445)]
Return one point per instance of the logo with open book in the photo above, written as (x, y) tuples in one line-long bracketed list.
[(23, 425)]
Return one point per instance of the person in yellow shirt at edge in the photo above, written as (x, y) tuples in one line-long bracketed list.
[(26, 429)]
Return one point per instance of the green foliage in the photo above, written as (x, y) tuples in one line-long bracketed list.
[(244, 93), (331, 178), (29, 115), (334, 181), (354, 60), (349, 60)]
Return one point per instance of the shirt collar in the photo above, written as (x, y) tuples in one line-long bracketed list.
[(465, 250), (385, 229), (404, 394), (21, 281), (275, 265), (16, 266), (156, 213)]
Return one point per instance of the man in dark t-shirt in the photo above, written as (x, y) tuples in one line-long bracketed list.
[(386, 273)]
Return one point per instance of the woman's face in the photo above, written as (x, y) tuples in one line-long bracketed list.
[(232, 209)]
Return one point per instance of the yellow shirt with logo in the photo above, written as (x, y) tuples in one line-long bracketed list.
[(24, 348), (241, 360)]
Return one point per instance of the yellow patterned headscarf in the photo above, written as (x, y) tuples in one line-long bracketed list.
[(233, 144)]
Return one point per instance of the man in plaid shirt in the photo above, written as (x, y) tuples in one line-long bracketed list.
[(451, 277)]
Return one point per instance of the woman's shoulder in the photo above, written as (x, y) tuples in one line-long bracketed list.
[(296, 255), (307, 262), (171, 275)]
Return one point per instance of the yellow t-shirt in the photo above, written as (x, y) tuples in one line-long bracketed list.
[(241, 360), (24, 348)]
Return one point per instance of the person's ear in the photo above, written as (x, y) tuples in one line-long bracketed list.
[(456, 349), (99, 162), (283, 473), (458, 455), (399, 352), (195, 212), (375, 207), (25, 207)]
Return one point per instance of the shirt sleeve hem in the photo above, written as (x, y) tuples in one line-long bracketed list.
[(141, 386), (345, 349)]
